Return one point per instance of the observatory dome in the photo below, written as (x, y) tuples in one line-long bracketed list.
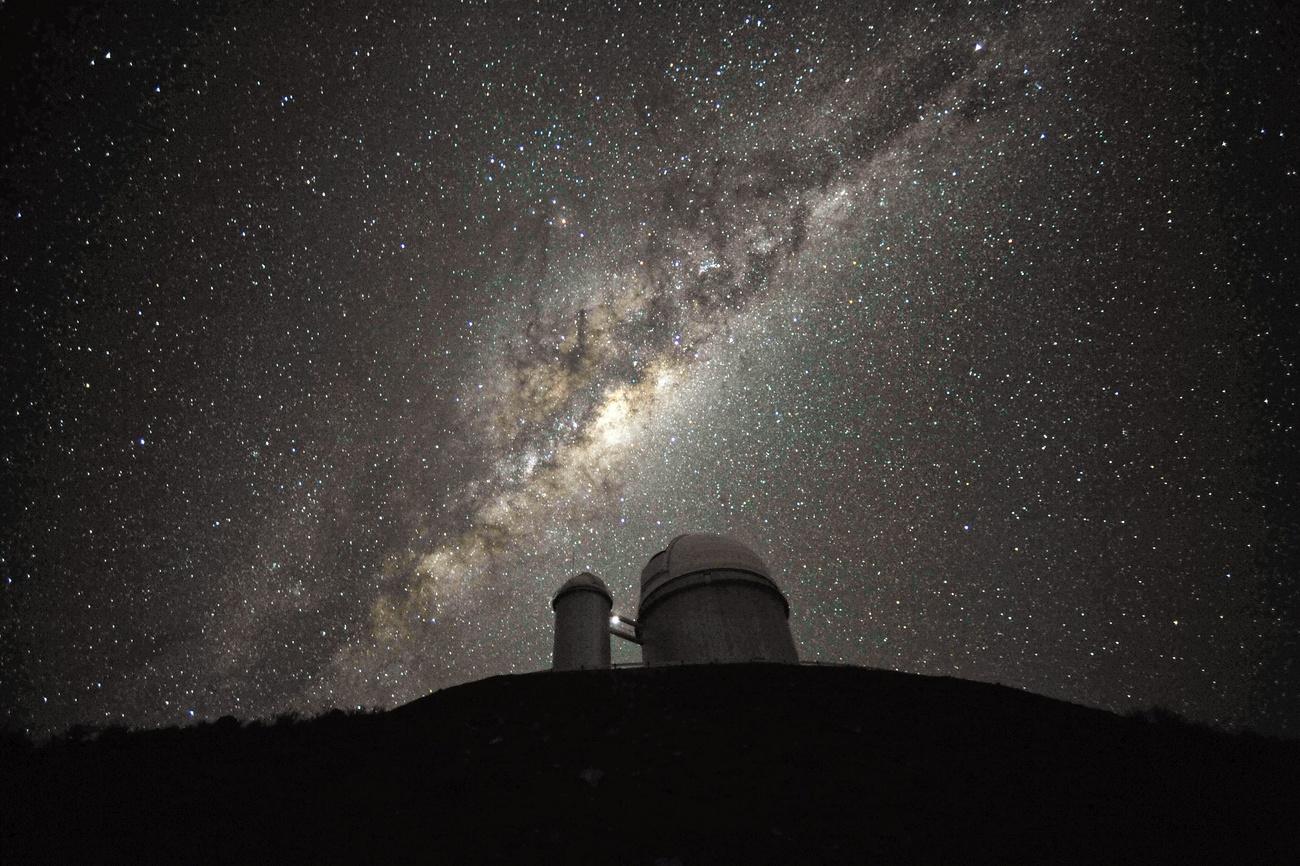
[(708, 598), (698, 552), (581, 608), (701, 551), (585, 581)]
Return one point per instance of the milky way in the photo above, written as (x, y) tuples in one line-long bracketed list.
[(340, 339)]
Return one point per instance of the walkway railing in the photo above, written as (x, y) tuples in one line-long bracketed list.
[(805, 662)]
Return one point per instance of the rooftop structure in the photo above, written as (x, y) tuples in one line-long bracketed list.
[(704, 599)]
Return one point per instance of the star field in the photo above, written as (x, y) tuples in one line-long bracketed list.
[(338, 338)]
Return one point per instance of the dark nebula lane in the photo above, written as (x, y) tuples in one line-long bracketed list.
[(339, 338)]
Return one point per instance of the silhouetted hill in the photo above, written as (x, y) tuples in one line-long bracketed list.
[(700, 764)]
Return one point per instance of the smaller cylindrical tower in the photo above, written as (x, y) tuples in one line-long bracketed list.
[(582, 609)]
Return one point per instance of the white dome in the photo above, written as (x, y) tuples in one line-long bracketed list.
[(706, 598), (701, 551), (698, 552), (585, 581)]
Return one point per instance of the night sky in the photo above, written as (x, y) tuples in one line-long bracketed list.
[(336, 336)]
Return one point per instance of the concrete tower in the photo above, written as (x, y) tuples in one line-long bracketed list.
[(707, 598), (582, 620)]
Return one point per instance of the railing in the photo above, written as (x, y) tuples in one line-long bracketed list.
[(804, 662)]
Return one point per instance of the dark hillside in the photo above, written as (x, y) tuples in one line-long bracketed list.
[(702, 764)]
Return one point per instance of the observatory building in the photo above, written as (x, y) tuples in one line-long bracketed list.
[(704, 599), (581, 623)]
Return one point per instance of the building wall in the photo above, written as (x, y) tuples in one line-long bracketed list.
[(714, 619), (581, 631)]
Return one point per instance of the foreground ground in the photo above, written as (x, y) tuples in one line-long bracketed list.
[(701, 764)]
